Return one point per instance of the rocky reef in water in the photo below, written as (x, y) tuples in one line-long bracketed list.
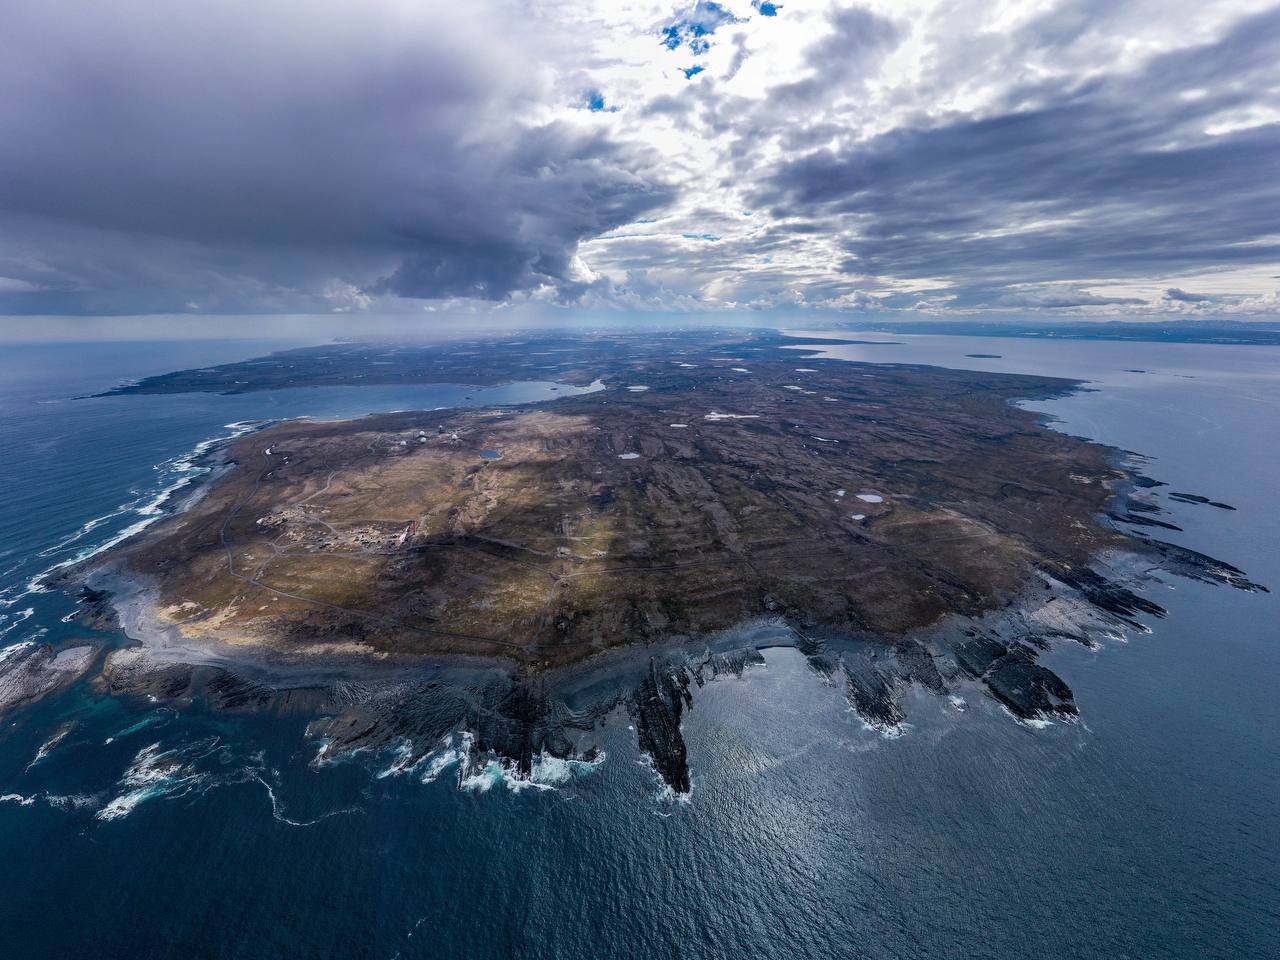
[(31, 671)]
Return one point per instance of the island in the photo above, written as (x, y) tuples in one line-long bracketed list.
[(908, 524)]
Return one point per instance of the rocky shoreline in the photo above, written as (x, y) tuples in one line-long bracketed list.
[(513, 715)]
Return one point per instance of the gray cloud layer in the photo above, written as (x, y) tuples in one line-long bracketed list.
[(1100, 178), (319, 156), (287, 156)]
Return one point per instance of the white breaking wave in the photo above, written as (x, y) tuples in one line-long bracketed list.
[(8, 622), (546, 773), (157, 773), (665, 795), (479, 773), (72, 801), (279, 816), (149, 507), (439, 763), (47, 747), (403, 761)]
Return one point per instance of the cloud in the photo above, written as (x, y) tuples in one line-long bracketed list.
[(857, 42), (1173, 293), (253, 156), (1059, 299), (1104, 177), (951, 156), (14, 285)]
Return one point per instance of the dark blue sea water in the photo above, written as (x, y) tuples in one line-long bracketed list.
[(1150, 829)]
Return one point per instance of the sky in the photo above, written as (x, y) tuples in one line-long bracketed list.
[(502, 160)]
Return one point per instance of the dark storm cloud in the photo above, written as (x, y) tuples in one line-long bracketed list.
[(1063, 181), (228, 156), (551, 191)]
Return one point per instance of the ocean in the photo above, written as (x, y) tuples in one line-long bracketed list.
[(1148, 829)]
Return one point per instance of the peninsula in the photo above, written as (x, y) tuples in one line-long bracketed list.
[(712, 479)]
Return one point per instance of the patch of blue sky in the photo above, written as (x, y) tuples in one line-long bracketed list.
[(595, 102), (693, 71), (710, 237), (766, 8), (695, 28)]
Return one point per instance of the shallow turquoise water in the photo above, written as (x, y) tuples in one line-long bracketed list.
[(1147, 830)]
